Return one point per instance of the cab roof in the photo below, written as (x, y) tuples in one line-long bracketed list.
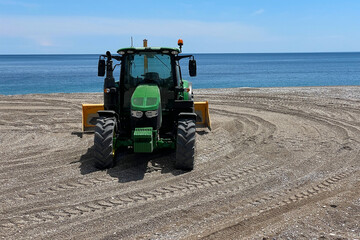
[(148, 49)]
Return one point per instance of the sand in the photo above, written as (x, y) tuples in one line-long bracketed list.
[(279, 163)]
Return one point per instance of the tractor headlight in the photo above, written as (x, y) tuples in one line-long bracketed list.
[(151, 114), (137, 114)]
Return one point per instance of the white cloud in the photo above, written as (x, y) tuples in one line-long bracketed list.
[(44, 42), (52, 27), (258, 12)]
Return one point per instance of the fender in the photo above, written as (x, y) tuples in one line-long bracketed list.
[(107, 113), (187, 115)]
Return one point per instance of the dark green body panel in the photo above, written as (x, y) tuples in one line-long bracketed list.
[(186, 94)]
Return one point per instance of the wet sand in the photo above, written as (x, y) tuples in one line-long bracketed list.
[(279, 163)]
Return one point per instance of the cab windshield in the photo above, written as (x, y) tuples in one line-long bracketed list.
[(148, 67)]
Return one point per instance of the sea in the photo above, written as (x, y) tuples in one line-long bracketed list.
[(26, 74)]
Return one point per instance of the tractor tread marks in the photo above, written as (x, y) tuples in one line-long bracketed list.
[(103, 143), (185, 144), (307, 192), (139, 197)]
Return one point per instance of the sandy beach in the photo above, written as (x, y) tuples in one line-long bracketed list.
[(279, 163)]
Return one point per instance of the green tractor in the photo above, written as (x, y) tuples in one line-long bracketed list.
[(150, 107)]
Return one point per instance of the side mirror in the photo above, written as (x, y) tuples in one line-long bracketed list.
[(192, 67), (101, 68)]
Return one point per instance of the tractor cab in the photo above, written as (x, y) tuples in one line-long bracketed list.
[(150, 66)]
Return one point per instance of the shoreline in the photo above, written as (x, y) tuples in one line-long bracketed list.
[(214, 90)]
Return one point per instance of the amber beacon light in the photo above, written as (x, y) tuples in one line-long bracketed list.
[(180, 43)]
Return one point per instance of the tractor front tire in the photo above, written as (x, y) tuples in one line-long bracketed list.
[(185, 144), (103, 142)]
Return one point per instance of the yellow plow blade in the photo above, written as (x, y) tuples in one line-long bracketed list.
[(89, 115), (203, 116)]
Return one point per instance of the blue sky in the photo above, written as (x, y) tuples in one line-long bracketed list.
[(39, 26)]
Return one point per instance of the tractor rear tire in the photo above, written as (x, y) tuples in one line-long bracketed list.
[(185, 144), (103, 142)]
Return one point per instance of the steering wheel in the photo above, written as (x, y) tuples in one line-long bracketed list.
[(151, 77)]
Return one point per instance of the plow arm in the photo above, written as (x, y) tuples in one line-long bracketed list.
[(89, 115)]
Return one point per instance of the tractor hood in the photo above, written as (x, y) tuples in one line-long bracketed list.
[(146, 97)]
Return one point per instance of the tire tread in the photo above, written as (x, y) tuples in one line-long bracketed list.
[(185, 144), (103, 143)]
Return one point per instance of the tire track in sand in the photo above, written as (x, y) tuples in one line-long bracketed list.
[(272, 204), (141, 197)]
